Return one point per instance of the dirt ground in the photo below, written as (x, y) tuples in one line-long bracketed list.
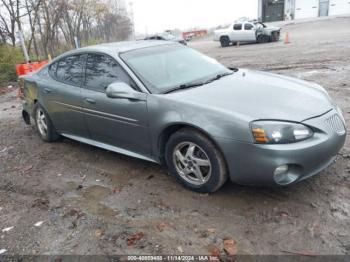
[(92, 201)]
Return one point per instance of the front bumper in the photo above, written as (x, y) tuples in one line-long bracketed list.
[(254, 164)]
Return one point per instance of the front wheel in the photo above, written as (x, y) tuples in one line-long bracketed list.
[(195, 161), (44, 125), (263, 39)]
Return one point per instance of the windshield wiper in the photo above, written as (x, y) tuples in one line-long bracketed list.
[(218, 76), (196, 84), (184, 86)]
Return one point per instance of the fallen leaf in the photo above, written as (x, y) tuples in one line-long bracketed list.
[(160, 226), (41, 203), (75, 212), (230, 246), (211, 230), (39, 224), (115, 190), (180, 249), (284, 214), (133, 238), (27, 168), (150, 177), (99, 233), (7, 229), (2, 251), (213, 250)]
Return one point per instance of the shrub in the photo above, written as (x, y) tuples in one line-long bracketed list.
[(9, 57)]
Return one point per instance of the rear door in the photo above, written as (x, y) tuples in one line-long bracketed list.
[(62, 96), (237, 33), (114, 121)]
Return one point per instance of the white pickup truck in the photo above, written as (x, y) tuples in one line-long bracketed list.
[(247, 31)]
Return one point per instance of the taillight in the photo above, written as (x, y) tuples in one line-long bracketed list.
[(20, 92)]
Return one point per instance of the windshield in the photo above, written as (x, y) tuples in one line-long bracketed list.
[(162, 68), (260, 25)]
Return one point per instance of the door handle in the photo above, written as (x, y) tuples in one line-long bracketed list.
[(90, 101), (47, 90)]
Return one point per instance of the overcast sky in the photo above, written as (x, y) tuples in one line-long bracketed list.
[(159, 15)]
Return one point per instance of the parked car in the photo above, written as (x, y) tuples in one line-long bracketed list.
[(167, 103), (248, 31), (167, 37)]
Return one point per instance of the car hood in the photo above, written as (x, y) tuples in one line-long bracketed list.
[(258, 95), (272, 28)]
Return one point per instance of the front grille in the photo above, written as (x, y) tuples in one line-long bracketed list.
[(336, 124)]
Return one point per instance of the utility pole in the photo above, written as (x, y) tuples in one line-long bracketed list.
[(23, 45), (131, 10)]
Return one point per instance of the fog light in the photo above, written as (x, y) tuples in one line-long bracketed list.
[(283, 176)]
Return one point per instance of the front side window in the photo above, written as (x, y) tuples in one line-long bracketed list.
[(164, 67), (237, 27), (70, 70), (248, 27), (103, 70)]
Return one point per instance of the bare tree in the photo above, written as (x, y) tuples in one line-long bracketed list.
[(52, 25)]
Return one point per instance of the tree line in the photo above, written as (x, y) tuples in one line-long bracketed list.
[(51, 26)]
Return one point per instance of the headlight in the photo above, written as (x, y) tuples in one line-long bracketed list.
[(274, 132)]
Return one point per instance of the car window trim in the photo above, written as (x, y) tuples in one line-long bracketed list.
[(237, 24), (248, 23), (84, 86), (64, 57)]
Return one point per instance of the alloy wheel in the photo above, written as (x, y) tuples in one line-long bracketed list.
[(192, 163), (41, 122)]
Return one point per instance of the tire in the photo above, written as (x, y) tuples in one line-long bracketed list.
[(205, 156), (44, 125), (263, 39), (224, 41)]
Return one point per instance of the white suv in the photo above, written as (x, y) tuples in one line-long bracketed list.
[(247, 31)]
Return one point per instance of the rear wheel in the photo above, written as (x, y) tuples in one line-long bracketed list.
[(195, 161), (224, 41), (44, 125)]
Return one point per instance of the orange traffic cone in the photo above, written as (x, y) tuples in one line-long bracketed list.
[(286, 38)]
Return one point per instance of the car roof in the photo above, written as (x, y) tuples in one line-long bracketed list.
[(117, 47)]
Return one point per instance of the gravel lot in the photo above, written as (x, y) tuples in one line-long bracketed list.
[(92, 201)]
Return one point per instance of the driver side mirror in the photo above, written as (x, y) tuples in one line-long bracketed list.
[(122, 90)]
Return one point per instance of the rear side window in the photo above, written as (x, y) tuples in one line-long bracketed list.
[(237, 27), (70, 70), (102, 70), (248, 26)]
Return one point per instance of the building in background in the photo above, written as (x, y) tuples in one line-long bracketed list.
[(194, 34), (279, 10)]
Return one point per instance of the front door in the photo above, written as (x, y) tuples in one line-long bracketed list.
[(249, 32), (122, 123)]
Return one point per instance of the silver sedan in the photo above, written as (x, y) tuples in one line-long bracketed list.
[(167, 103)]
